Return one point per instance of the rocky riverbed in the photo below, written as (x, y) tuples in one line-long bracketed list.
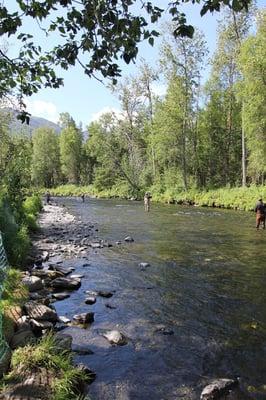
[(61, 251)]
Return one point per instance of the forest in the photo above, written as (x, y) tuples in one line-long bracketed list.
[(198, 136)]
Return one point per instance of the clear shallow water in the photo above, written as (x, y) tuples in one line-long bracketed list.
[(206, 283)]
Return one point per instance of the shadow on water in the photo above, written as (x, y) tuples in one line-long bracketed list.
[(206, 284)]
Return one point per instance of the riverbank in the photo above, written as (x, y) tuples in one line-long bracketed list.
[(42, 362), (236, 198)]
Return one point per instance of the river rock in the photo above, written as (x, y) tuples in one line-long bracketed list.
[(115, 337), (84, 318), (90, 300), (105, 294), (66, 283), (33, 283), (40, 312), (23, 324), (108, 305), (144, 265), (22, 338), (218, 388), (63, 342), (60, 296), (86, 265), (81, 350), (59, 268), (96, 245), (64, 319), (118, 242), (39, 326), (76, 276), (129, 239)]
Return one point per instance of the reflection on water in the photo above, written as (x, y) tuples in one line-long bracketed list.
[(206, 283)]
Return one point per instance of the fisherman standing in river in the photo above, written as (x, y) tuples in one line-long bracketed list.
[(48, 197), (260, 211), (147, 201)]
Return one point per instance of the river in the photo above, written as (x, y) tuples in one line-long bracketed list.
[(205, 287)]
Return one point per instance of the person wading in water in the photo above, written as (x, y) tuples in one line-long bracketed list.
[(260, 214), (147, 201)]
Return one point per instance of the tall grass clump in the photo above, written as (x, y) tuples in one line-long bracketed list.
[(45, 354)]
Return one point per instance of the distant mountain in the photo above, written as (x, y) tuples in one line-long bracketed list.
[(17, 126)]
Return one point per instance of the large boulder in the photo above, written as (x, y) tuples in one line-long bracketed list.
[(66, 283), (40, 312), (33, 283)]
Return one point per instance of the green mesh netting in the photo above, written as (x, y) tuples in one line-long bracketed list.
[(3, 268)]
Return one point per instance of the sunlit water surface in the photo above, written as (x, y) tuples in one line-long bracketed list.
[(206, 283)]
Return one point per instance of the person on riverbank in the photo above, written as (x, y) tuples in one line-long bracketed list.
[(48, 197), (147, 201), (260, 211)]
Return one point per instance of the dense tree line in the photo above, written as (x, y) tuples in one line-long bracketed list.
[(193, 137)]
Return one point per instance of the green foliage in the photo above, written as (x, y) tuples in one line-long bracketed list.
[(46, 355), (252, 90), (15, 230), (104, 31), (45, 167), (70, 150)]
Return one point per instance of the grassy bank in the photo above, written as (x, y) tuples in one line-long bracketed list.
[(65, 378), (236, 198), (16, 223)]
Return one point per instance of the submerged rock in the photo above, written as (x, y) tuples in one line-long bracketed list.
[(129, 239), (60, 296), (115, 337), (90, 300), (104, 293), (108, 305), (84, 318), (218, 388), (82, 350)]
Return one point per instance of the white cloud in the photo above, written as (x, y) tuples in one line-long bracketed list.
[(43, 109), (96, 116)]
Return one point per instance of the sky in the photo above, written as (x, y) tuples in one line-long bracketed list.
[(86, 98)]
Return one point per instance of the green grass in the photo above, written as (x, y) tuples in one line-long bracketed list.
[(45, 354)]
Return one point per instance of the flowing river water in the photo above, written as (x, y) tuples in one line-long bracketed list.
[(205, 285)]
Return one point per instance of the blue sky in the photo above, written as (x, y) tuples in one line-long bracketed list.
[(85, 98)]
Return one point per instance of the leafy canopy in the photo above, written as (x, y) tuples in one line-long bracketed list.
[(96, 34)]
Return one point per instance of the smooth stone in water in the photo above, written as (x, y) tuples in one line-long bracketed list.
[(90, 300), (115, 337), (104, 293), (82, 350), (64, 319), (110, 306), (60, 296), (144, 265), (129, 239), (66, 283), (84, 318)]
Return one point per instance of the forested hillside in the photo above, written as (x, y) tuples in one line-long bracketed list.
[(197, 136)]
